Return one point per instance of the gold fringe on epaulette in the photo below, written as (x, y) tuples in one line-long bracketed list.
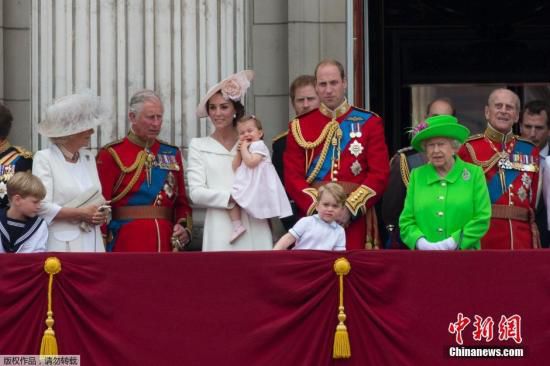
[(48, 347), (341, 347)]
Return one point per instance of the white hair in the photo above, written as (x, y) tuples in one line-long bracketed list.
[(141, 96)]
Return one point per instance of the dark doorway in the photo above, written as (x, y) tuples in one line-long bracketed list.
[(446, 43)]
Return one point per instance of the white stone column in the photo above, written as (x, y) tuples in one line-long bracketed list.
[(177, 47)]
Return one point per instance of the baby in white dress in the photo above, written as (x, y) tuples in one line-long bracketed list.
[(256, 186)]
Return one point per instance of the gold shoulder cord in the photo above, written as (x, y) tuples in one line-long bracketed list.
[(487, 164), (137, 166), (326, 136), (404, 169)]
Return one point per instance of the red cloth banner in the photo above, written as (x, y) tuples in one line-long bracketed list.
[(280, 308)]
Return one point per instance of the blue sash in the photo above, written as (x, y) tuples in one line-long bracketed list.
[(146, 193), (357, 118), (496, 190)]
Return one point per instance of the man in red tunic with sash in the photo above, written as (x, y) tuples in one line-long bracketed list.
[(338, 143), (511, 166), (143, 178)]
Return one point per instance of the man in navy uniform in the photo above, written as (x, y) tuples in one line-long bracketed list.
[(12, 158)]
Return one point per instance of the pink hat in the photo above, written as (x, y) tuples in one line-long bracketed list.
[(233, 87)]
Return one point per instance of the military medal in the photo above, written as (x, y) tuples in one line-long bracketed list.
[(522, 193), (526, 180), (355, 130), (3, 190), (169, 185), (358, 134), (356, 148), (356, 168)]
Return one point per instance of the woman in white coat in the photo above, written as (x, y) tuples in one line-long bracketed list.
[(73, 203), (210, 173)]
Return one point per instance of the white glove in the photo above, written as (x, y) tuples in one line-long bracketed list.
[(447, 244), (423, 244)]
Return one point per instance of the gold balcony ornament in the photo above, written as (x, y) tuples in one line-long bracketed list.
[(342, 347), (52, 266)]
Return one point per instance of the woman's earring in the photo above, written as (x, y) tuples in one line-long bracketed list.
[(235, 116)]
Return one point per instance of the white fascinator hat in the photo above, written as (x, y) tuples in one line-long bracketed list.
[(233, 87), (73, 114)]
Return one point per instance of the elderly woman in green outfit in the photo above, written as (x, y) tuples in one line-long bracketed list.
[(447, 204)]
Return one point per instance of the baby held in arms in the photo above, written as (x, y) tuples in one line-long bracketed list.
[(256, 186)]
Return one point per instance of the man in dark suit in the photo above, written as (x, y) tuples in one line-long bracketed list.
[(534, 125), (303, 98)]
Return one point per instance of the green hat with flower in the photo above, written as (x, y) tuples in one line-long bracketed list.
[(438, 126)]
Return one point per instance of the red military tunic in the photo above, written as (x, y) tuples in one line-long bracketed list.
[(511, 166), (349, 149), (147, 194)]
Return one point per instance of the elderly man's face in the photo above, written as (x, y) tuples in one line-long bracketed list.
[(502, 110), (148, 122)]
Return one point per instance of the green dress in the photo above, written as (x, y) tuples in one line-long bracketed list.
[(436, 208)]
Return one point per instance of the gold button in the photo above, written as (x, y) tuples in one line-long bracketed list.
[(335, 172), (440, 213), (443, 184), (441, 197), (334, 179), (440, 230)]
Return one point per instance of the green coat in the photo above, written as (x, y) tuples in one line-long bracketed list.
[(437, 208)]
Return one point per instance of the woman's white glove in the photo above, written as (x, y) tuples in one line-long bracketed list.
[(423, 244), (446, 244)]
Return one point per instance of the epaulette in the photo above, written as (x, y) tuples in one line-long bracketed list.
[(23, 152), (167, 143), (477, 136), (113, 143), (365, 110), (523, 139), (279, 136)]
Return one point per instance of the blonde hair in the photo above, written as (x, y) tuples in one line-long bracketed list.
[(25, 184), (335, 190)]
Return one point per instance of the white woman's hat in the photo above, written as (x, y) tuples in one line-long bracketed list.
[(73, 114), (233, 87)]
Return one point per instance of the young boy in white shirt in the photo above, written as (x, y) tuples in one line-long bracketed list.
[(21, 229), (320, 231)]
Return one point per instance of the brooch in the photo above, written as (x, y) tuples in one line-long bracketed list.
[(466, 174)]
